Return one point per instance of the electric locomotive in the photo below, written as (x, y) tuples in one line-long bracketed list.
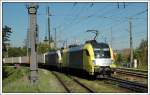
[(102, 58), (53, 59), (93, 58)]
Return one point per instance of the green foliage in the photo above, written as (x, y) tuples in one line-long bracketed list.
[(6, 32), (16, 51), (19, 51), (141, 54), (42, 48), (121, 60), (143, 44)]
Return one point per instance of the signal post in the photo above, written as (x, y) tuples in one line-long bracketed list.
[(32, 11)]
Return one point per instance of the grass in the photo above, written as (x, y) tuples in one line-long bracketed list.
[(48, 82), (11, 74), (17, 81), (73, 86)]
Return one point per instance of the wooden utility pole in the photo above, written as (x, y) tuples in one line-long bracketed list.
[(49, 30), (32, 10), (28, 41), (111, 37), (131, 42), (55, 39)]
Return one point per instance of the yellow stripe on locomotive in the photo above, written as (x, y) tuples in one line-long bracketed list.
[(88, 58)]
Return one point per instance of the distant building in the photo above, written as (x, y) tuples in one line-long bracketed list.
[(125, 52)]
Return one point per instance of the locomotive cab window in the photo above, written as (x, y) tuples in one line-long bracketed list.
[(102, 53)]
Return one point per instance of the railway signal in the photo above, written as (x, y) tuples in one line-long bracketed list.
[(32, 11)]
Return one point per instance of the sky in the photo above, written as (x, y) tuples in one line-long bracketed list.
[(72, 20)]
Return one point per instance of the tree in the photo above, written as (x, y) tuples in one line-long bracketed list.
[(42, 48), (141, 54), (6, 32), (121, 60), (16, 52)]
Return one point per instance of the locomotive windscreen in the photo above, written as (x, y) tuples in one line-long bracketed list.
[(102, 53), (101, 50)]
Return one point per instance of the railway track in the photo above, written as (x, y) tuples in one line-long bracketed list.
[(63, 84), (137, 87), (134, 86), (137, 73), (89, 90), (83, 85), (135, 70)]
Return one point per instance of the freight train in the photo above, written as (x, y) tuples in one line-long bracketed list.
[(92, 58)]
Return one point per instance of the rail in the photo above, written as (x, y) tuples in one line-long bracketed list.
[(136, 72), (131, 69), (130, 85), (83, 85), (64, 85)]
